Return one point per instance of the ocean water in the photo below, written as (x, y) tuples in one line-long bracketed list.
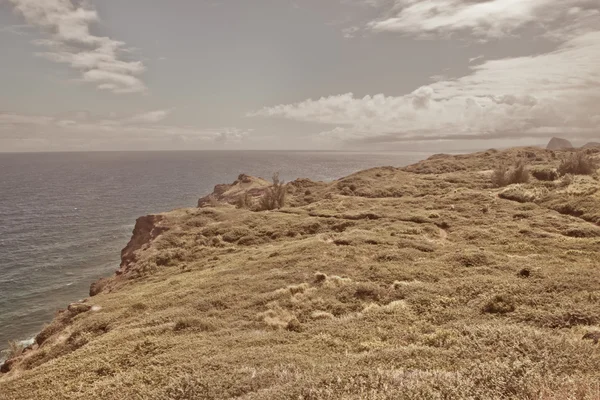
[(64, 217)]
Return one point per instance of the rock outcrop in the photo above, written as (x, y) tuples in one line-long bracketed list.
[(146, 229), (591, 145), (559, 144), (230, 193)]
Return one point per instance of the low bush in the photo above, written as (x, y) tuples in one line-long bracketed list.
[(578, 163), (244, 201), (504, 176), (499, 304), (548, 175)]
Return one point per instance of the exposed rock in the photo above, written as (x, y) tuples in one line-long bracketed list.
[(230, 193), (146, 230), (559, 144), (591, 145), (78, 308), (98, 286), (8, 364)]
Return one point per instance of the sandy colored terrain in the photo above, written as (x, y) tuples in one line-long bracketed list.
[(420, 282)]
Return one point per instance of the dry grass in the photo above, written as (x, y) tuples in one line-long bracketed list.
[(447, 291)]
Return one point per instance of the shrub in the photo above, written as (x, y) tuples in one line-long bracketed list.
[(194, 324), (566, 180), (499, 176), (519, 174), (212, 201), (320, 277), (14, 350), (578, 163), (499, 304), (244, 201), (548, 175), (503, 176), (274, 196)]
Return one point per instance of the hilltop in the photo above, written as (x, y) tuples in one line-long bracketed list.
[(559, 144), (427, 281)]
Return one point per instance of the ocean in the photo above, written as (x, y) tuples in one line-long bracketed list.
[(66, 216)]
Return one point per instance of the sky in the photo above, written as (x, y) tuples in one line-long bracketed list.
[(428, 75)]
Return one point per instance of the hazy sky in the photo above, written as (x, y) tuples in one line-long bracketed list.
[(297, 74)]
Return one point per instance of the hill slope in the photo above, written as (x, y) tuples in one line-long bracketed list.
[(421, 282)]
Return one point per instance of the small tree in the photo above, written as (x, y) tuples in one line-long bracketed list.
[(274, 196)]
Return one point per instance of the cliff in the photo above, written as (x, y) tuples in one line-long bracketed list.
[(427, 281)]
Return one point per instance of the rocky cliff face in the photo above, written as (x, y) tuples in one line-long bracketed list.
[(559, 144), (146, 229), (230, 193)]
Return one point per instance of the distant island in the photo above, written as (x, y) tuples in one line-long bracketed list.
[(563, 144), (461, 276)]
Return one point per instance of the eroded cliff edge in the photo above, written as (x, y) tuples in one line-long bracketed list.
[(396, 282)]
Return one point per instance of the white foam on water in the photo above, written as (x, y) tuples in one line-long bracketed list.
[(27, 342), (22, 343)]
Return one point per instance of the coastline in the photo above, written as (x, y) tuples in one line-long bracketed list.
[(389, 248), (133, 185)]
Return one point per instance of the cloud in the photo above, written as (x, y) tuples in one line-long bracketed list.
[(19, 30), (151, 116), (552, 93), (98, 59), (74, 131), (486, 18)]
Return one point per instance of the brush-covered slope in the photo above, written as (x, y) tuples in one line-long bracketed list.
[(417, 283)]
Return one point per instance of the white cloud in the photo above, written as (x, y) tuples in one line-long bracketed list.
[(20, 132), (19, 30), (485, 18), (71, 42), (151, 116), (513, 97)]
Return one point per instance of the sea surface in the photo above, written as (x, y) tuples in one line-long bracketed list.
[(64, 217)]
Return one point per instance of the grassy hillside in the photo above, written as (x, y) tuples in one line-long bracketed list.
[(422, 282)]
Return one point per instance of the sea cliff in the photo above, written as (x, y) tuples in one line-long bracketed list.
[(436, 280)]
